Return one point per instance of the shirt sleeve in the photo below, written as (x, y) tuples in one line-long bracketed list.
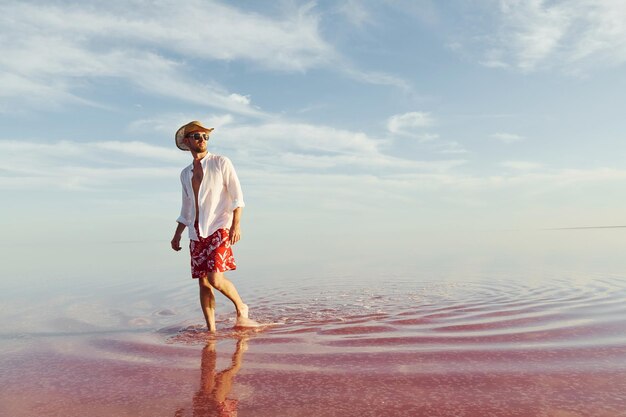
[(184, 206), (231, 182)]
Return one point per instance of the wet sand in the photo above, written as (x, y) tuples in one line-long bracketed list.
[(486, 348)]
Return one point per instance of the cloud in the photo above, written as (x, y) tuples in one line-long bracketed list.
[(355, 12), (518, 183), (138, 149), (47, 70), (284, 145), (372, 77), (454, 45), (301, 136), (552, 178), (167, 123), (291, 42), (572, 36), (540, 29), (288, 166), (411, 125), (299, 147), (281, 158), (521, 165), (238, 98), (147, 47), (451, 147), (61, 49), (81, 166), (15, 88), (427, 137), (507, 137), (281, 147), (369, 166), (408, 123)]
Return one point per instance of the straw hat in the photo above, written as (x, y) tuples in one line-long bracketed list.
[(190, 127)]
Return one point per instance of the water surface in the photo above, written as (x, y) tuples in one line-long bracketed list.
[(337, 346)]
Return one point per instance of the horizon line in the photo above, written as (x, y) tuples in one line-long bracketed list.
[(585, 227)]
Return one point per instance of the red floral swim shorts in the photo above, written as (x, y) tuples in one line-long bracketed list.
[(211, 254)]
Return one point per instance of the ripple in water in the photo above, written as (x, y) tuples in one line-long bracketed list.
[(404, 349)]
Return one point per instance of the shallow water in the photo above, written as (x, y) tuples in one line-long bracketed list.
[(341, 346)]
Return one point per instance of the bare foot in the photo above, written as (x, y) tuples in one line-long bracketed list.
[(242, 345), (243, 313), (245, 322), (210, 345)]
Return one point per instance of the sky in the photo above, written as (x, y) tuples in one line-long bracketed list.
[(365, 133)]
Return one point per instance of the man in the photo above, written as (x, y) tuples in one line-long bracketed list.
[(214, 395), (211, 209)]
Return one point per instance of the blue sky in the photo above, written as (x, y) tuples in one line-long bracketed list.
[(368, 128)]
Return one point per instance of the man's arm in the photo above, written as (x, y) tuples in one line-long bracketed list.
[(233, 187), (184, 210), (177, 234), (235, 229)]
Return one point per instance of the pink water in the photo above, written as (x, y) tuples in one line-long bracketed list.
[(403, 347)]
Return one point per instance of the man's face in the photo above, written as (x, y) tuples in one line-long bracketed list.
[(196, 140)]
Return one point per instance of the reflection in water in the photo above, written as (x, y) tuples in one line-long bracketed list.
[(551, 347), (212, 398)]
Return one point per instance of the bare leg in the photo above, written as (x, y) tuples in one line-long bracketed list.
[(204, 400), (207, 301), (224, 380), (207, 367), (223, 285)]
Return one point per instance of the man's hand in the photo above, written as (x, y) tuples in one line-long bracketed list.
[(235, 234), (176, 242), (235, 230)]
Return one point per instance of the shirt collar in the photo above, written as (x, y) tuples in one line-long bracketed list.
[(202, 161)]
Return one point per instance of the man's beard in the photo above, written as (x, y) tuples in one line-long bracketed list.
[(198, 147)]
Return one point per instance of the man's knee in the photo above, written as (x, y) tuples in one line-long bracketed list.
[(205, 284), (215, 279)]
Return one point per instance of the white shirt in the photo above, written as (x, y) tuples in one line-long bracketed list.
[(219, 195)]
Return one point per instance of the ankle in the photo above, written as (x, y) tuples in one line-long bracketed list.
[(242, 311)]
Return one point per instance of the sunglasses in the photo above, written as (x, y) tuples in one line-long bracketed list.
[(197, 136)]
